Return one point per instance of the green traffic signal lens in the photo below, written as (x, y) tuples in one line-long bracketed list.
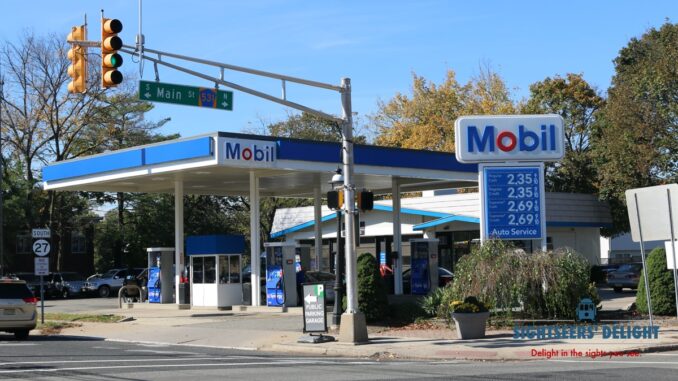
[(113, 60)]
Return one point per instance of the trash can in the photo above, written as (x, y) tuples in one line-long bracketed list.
[(247, 294), (184, 293)]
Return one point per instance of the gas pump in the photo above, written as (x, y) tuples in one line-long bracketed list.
[(424, 270), (160, 284), (281, 270)]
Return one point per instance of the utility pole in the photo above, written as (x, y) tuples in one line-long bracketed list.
[(2, 201)]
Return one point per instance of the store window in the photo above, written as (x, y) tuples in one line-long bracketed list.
[(24, 244), (78, 243), (197, 269)]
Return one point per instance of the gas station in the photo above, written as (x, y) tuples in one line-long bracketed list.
[(228, 164)]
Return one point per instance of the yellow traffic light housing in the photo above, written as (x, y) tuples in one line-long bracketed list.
[(110, 59), (77, 54)]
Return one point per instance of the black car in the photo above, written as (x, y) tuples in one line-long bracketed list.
[(445, 276)]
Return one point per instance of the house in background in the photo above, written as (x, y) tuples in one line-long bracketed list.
[(572, 220)]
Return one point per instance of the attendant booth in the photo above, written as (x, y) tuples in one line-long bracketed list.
[(216, 262)]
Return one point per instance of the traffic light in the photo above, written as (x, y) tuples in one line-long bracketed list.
[(77, 54), (335, 199), (110, 59), (365, 200)]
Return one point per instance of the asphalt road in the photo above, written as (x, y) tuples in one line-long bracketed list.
[(59, 357)]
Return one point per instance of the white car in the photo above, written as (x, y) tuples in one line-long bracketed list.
[(17, 308)]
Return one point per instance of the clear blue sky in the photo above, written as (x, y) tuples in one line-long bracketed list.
[(378, 44)]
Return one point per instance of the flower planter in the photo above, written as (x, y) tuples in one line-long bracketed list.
[(470, 325)]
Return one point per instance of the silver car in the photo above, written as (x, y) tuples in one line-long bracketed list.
[(108, 283), (17, 308)]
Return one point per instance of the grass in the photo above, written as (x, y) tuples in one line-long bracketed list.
[(55, 322), (64, 317)]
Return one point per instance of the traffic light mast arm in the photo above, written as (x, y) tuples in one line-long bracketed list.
[(284, 102)]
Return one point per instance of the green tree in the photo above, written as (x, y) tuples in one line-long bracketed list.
[(578, 103), (662, 288), (372, 299), (425, 120), (638, 145)]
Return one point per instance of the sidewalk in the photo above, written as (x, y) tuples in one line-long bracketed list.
[(278, 332)]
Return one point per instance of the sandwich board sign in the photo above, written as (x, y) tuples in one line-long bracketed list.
[(315, 318)]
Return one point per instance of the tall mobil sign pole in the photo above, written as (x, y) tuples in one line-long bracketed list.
[(511, 151)]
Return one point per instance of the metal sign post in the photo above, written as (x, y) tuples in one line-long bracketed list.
[(673, 248), (642, 257), (41, 248)]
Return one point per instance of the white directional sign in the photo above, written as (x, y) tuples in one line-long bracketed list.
[(41, 247), (41, 266), (41, 233)]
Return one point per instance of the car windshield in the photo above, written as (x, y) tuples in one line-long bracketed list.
[(28, 277), (109, 274), (629, 268), (14, 291), (71, 277), (320, 277)]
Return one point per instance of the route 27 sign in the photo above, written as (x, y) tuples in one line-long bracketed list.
[(41, 247)]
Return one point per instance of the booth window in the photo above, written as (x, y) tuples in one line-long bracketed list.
[(229, 269), (197, 270), (210, 270)]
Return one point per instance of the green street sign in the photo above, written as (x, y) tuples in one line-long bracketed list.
[(185, 95)]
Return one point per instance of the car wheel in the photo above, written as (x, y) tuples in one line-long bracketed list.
[(64, 293), (104, 291), (21, 334), (617, 289)]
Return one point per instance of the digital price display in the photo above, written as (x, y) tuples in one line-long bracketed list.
[(513, 202)]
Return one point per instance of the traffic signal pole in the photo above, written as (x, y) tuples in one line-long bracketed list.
[(353, 327)]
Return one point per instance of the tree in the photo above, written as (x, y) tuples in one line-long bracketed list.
[(638, 145), (578, 103), (426, 119)]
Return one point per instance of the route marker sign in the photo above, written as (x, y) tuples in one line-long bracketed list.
[(185, 95), (41, 247)]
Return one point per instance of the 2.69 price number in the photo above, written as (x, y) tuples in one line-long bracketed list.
[(523, 206), (523, 219)]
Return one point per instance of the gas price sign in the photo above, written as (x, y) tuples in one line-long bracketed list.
[(514, 202)]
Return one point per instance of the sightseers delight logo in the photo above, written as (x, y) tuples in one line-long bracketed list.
[(250, 153), (585, 332)]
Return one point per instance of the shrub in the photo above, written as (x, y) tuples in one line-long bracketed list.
[(431, 302), (372, 298), (543, 285), (470, 305), (661, 283), (405, 313)]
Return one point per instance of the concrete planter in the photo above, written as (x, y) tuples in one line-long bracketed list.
[(470, 325)]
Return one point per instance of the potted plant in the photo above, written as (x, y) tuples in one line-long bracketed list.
[(470, 317)]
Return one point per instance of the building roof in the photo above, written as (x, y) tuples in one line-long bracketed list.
[(562, 210), (220, 163)]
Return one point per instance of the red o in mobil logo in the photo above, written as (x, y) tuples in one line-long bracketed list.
[(526, 137), (247, 154)]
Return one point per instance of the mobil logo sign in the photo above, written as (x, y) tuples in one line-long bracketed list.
[(509, 138), (248, 153)]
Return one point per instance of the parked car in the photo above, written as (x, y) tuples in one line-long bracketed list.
[(109, 282), (32, 281), (327, 279), (17, 308), (445, 276), (65, 284), (626, 276)]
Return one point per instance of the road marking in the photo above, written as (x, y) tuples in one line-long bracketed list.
[(114, 360), (163, 366), (7, 344), (162, 352)]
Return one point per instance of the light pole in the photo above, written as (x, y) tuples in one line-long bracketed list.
[(336, 182), (2, 201)]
